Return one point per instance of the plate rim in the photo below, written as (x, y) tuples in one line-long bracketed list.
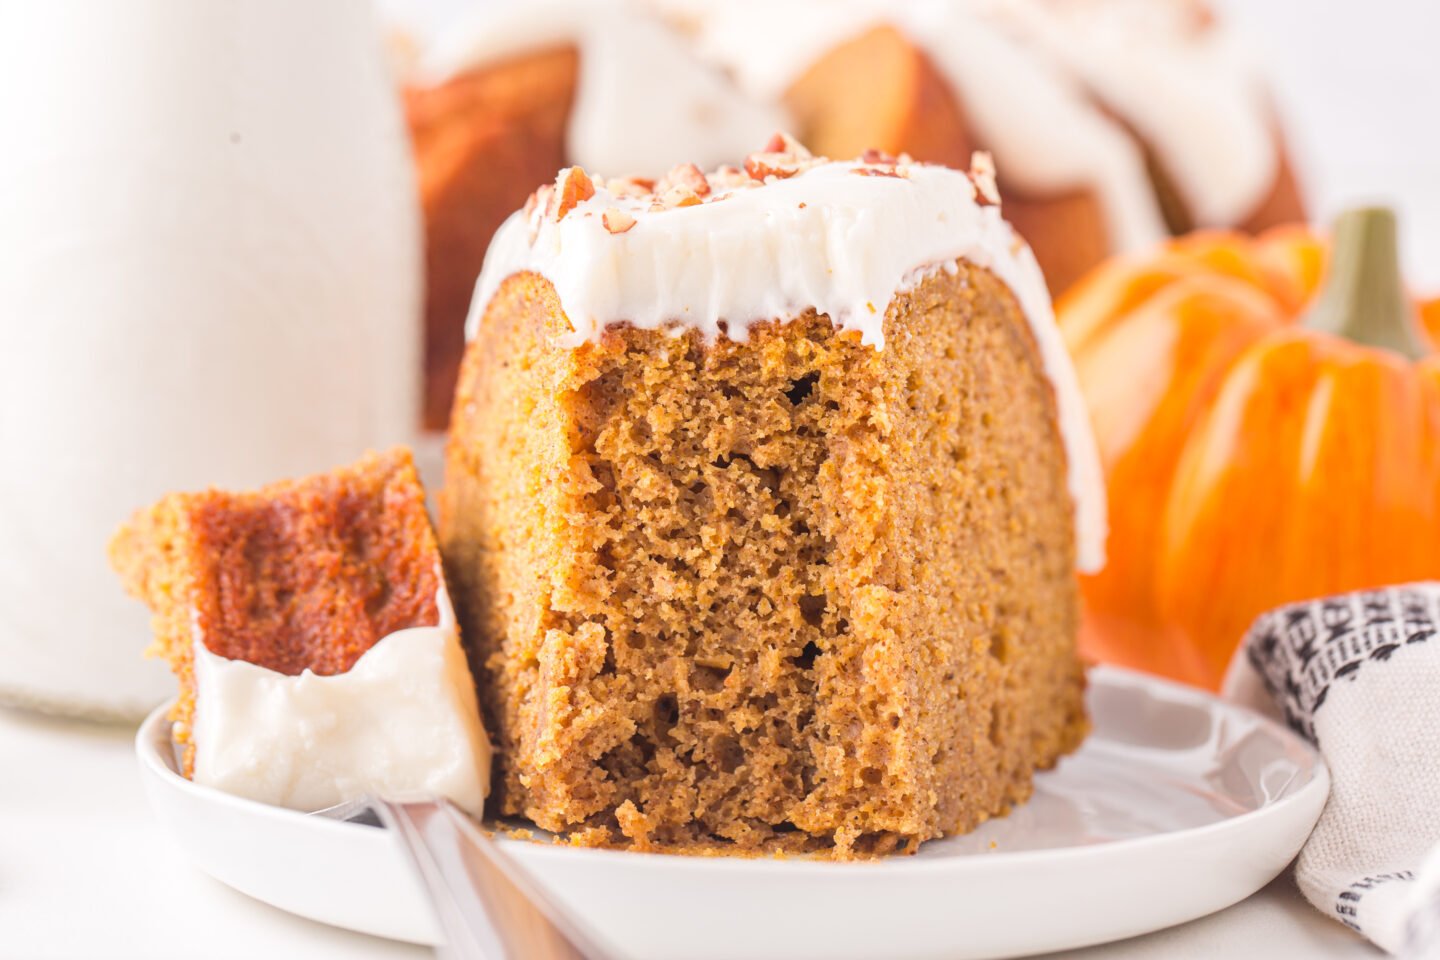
[(149, 755)]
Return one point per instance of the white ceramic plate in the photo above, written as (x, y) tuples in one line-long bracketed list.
[(1178, 805)]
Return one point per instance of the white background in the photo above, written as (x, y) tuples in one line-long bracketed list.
[(1358, 86)]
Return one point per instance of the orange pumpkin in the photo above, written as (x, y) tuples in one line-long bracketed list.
[(1265, 440), (1430, 317)]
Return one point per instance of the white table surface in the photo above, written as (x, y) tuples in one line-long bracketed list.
[(86, 871)]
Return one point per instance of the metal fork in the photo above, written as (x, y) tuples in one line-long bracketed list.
[(487, 906)]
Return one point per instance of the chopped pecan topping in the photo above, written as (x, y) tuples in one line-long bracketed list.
[(635, 187), (782, 142), (763, 165), (617, 220), (731, 178), (679, 197), (689, 177), (572, 187), (687, 185), (982, 174), (782, 157)]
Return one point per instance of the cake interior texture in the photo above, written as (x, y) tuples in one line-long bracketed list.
[(788, 594), (301, 575)]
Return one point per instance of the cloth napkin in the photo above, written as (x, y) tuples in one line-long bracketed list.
[(1359, 675)]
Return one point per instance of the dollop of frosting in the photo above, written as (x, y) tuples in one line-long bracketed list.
[(789, 232), (403, 721)]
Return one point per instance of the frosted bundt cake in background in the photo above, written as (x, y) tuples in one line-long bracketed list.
[(1114, 122), (765, 491), (503, 101)]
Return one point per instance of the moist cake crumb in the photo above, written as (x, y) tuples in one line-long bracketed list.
[(787, 594)]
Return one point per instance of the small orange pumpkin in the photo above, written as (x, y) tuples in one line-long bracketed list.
[(1430, 318), (1265, 439)]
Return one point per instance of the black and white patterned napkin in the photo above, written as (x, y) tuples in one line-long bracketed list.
[(1359, 675)]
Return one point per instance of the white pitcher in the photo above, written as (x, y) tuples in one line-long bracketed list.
[(209, 275)]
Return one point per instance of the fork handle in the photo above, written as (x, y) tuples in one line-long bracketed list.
[(486, 905)]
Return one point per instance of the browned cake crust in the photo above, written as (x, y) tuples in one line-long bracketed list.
[(1067, 232), (787, 594), (302, 575), (879, 91), (483, 141)]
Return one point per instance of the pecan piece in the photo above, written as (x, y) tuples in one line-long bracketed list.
[(617, 220), (689, 177), (982, 174), (782, 142), (572, 186)]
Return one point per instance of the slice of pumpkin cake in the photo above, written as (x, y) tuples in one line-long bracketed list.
[(765, 492), (315, 645)]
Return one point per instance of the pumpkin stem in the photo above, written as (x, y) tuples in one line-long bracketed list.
[(1363, 298)]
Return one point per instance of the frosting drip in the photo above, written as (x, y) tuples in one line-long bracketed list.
[(402, 721), (1184, 84), (842, 238), (1037, 78), (1038, 120)]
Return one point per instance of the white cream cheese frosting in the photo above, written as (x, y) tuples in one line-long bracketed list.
[(641, 98), (402, 721), (841, 237)]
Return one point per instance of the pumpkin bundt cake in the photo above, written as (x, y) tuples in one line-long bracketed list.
[(765, 491), (1115, 122), (315, 645)]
